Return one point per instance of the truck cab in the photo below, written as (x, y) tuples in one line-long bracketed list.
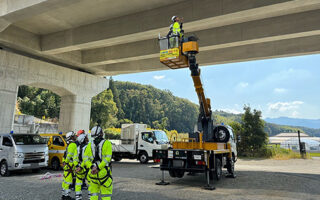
[(148, 141), (22, 151), (57, 146)]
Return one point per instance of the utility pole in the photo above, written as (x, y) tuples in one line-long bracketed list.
[(302, 146)]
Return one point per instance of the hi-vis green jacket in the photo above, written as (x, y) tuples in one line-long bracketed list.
[(71, 157), (104, 155)]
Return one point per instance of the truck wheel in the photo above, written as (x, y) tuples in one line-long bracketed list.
[(218, 170), (4, 169), (221, 134), (143, 157), (179, 173), (172, 173), (55, 164), (230, 166)]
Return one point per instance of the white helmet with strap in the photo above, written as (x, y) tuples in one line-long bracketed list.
[(173, 18), (96, 131), (70, 135), (81, 138)]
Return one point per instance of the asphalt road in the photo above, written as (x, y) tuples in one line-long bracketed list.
[(256, 179)]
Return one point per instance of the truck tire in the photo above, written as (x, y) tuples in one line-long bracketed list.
[(55, 164), (218, 169), (4, 169), (172, 173), (143, 157), (221, 134), (179, 173)]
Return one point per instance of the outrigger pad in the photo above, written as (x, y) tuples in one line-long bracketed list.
[(163, 183), (209, 187)]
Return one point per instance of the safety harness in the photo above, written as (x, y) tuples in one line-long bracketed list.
[(97, 152), (85, 171)]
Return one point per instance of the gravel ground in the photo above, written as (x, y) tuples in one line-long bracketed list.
[(256, 179)]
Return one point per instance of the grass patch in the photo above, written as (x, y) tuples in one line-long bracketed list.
[(284, 154), (314, 154)]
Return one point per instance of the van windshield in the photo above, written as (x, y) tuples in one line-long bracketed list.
[(28, 139), (161, 137)]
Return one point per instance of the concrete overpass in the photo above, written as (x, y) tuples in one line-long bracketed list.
[(91, 39)]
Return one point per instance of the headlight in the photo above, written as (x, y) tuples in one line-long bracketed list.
[(18, 155)]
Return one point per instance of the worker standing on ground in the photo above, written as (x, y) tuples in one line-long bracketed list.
[(81, 171), (99, 154), (70, 160), (176, 32)]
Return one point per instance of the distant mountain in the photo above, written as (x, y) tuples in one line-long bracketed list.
[(310, 123)]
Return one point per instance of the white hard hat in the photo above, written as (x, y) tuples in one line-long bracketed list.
[(96, 131), (70, 135), (81, 138), (173, 18)]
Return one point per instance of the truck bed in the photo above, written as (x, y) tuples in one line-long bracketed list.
[(117, 147)]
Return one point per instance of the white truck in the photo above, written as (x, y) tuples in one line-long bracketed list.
[(22, 151), (138, 143)]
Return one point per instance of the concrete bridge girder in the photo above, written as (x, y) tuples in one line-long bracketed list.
[(75, 88), (256, 51), (266, 30)]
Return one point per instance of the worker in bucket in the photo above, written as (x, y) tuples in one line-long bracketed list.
[(70, 160), (81, 171), (176, 32), (99, 154)]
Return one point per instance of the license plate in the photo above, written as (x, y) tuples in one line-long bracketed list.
[(197, 157)]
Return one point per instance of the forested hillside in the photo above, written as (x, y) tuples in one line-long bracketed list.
[(127, 102), (157, 108)]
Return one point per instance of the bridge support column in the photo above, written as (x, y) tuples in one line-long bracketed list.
[(74, 113), (74, 87), (8, 98)]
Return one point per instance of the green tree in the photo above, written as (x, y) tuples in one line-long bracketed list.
[(116, 99), (104, 108), (253, 137)]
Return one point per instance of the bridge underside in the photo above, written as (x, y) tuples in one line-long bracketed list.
[(117, 39), (81, 38)]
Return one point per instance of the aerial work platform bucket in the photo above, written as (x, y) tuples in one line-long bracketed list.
[(170, 53)]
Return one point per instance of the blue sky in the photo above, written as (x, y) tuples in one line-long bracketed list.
[(278, 87)]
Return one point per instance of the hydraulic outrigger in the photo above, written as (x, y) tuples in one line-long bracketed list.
[(211, 147)]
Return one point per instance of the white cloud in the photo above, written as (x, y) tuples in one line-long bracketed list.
[(241, 87), (159, 77), (234, 111), (280, 90), (285, 106), (243, 84)]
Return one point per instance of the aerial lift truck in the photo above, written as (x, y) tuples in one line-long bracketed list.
[(211, 146)]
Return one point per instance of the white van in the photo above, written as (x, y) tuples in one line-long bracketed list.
[(22, 151)]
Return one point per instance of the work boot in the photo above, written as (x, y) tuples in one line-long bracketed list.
[(63, 197)]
